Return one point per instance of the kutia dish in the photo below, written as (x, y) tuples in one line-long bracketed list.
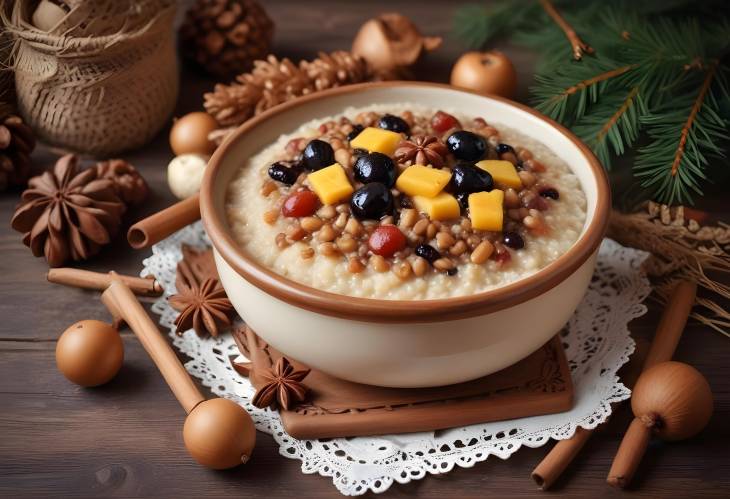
[(415, 219), (427, 247)]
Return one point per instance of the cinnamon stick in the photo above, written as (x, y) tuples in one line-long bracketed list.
[(671, 324), (674, 317), (120, 301), (98, 280), (157, 227), (632, 449)]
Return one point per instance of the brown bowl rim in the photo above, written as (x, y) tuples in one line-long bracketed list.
[(399, 311)]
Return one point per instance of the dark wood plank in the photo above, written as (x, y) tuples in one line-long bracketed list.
[(124, 439)]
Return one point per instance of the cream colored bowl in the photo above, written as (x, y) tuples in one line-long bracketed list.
[(404, 343)]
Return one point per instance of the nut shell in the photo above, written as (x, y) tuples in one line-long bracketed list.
[(89, 353), (189, 134), (219, 434), (485, 72), (677, 396)]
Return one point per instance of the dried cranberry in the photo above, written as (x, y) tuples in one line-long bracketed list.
[(442, 122), (513, 240), (532, 201), (386, 240), (550, 192), (300, 204), (502, 256)]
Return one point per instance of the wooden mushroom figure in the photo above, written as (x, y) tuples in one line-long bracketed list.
[(671, 400), (218, 433)]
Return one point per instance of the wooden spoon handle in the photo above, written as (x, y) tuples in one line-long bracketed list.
[(629, 454), (157, 227), (120, 301)]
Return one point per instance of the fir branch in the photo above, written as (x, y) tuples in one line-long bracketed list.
[(685, 133), (613, 130), (691, 118), (577, 44), (553, 94)]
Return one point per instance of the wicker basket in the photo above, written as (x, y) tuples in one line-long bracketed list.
[(102, 81)]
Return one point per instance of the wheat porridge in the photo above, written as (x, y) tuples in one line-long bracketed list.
[(405, 203)]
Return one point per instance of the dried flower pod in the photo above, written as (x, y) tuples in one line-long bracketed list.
[(67, 214), (391, 43), (129, 185)]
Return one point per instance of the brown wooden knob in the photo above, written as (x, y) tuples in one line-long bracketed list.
[(89, 353), (219, 434)]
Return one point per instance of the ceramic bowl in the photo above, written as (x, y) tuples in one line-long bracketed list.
[(404, 343)]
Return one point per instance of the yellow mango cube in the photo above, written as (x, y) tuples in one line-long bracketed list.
[(377, 140), (418, 180), (442, 207), (330, 184), (503, 172), (486, 210)]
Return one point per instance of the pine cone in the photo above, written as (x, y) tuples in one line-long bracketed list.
[(66, 214), (16, 144), (226, 36), (129, 185), (274, 81)]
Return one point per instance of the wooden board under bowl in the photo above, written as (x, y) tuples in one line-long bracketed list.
[(539, 384)]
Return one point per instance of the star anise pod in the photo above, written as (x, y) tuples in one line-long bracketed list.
[(283, 386), (204, 308), (66, 214), (422, 150), (129, 185)]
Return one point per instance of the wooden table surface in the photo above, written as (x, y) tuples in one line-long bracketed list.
[(124, 439)]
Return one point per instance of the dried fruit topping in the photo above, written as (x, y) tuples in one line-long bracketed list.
[(503, 148), (318, 154), (386, 240), (549, 192), (286, 172), (372, 201), (300, 204), (394, 124), (442, 122), (468, 178), (356, 129), (502, 256), (467, 146), (427, 252), (375, 167), (513, 240)]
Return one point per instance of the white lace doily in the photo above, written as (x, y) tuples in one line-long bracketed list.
[(597, 344)]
